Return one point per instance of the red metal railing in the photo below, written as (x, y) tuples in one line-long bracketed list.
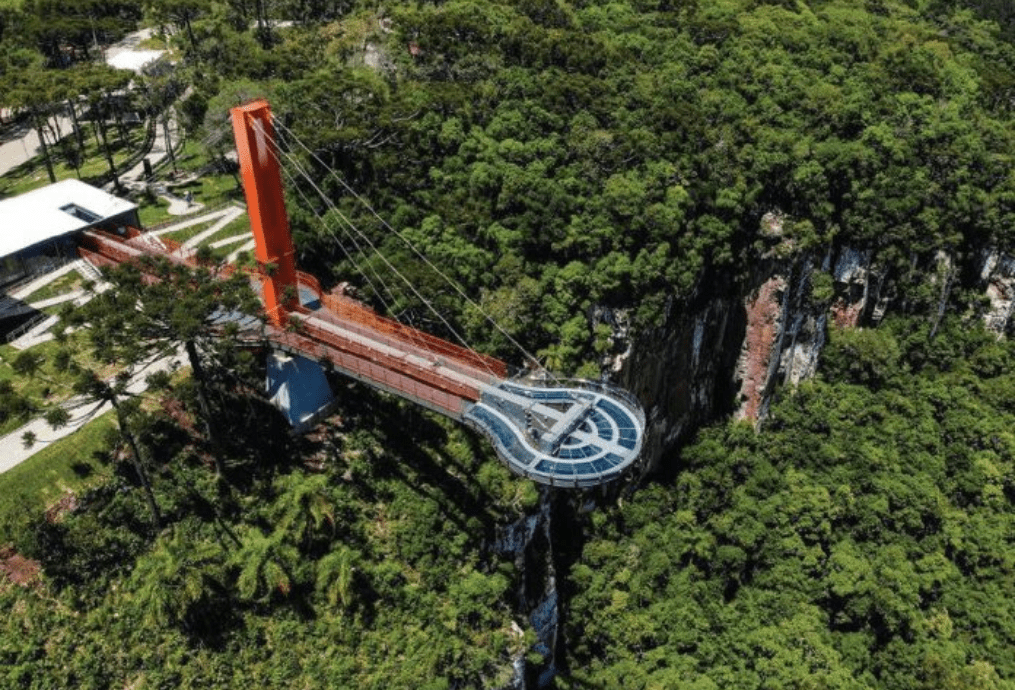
[(396, 363), (347, 308), (391, 368), (109, 247), (95, 258), (374, 368)]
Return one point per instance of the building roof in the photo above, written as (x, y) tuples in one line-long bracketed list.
[(55, 210), (133, 59)]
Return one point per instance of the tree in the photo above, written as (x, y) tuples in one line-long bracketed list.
[(179, 12), (335, 576), (154, 306), (99, 82), (136, 324), (159, 94), (305, 508), (265, 565), (31, 87), (98, 390), (175, 576)]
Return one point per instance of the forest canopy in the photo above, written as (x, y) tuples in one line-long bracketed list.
[(559, 159), (860, 539)]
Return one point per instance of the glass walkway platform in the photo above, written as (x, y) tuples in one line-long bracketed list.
[(573, 434)]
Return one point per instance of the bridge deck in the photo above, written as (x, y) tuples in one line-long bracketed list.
[(574, 435)]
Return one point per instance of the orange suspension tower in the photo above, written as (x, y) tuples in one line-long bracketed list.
[(262, 182), (558, 433)]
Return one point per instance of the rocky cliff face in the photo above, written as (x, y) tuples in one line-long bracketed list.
[(997, 275), (727, 349), (683, 371)]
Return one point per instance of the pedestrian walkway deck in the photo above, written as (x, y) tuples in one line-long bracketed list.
[(573, 434)]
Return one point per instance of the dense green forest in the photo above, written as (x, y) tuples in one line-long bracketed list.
[(860, 539), (556, 157)]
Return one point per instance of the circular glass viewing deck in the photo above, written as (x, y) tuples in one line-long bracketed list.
[(577, 434)]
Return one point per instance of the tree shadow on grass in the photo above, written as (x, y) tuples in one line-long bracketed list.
[(82, 469)]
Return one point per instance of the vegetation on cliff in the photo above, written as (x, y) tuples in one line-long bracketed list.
[(860, 539), (556, 157)]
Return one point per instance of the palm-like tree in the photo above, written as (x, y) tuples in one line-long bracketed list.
[(174, 576), (266, 564), (335, 576), (305, 509)]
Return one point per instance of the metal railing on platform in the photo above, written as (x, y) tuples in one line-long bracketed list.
[(26, 328)]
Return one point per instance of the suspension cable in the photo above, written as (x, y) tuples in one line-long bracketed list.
[(330, 231), (394, 269), (413, 247), (341, 246)]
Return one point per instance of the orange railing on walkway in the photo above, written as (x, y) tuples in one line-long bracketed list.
[(345, 307), (389, 369)]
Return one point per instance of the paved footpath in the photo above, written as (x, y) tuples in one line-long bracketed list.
[(25, 145), (12, 448)]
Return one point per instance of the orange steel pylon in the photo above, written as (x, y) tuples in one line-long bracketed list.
[(262, 182)]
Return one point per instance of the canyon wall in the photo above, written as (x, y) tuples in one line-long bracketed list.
[(734, 342)]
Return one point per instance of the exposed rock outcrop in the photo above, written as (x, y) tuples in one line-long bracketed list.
[(726, 349), (683, 371), (765, 324), (997, 274)]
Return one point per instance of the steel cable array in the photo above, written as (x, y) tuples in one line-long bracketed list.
[(350, 226), (288, 134)]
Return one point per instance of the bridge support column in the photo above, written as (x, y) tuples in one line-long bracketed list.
[(262, 182), (298, 387)]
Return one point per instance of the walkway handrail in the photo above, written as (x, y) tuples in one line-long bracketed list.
[(616, 392), (27, 327)]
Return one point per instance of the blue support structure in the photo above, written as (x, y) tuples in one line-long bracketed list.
[(298, 387)]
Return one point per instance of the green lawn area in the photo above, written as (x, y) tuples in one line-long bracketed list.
[(153, 214), (235, 227), (240, 225), (50, 386), (153, 43), (75, 463), (212, 190), (55, 309), (222, 252), (71, 281), (185, 234)]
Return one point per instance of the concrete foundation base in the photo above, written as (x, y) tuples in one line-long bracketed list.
[(298, 388)]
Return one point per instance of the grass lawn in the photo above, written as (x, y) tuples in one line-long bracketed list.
[(71, 281), (75, 463), (153, 214), (153, 43), (55, 309), (221, 253), (233, 228), (240, 225), (212, 190), (185, 234), (49, 387)]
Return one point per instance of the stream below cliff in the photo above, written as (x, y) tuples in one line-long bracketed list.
[(530, 541)]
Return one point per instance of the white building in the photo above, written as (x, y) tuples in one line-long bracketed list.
[(37, 228)]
